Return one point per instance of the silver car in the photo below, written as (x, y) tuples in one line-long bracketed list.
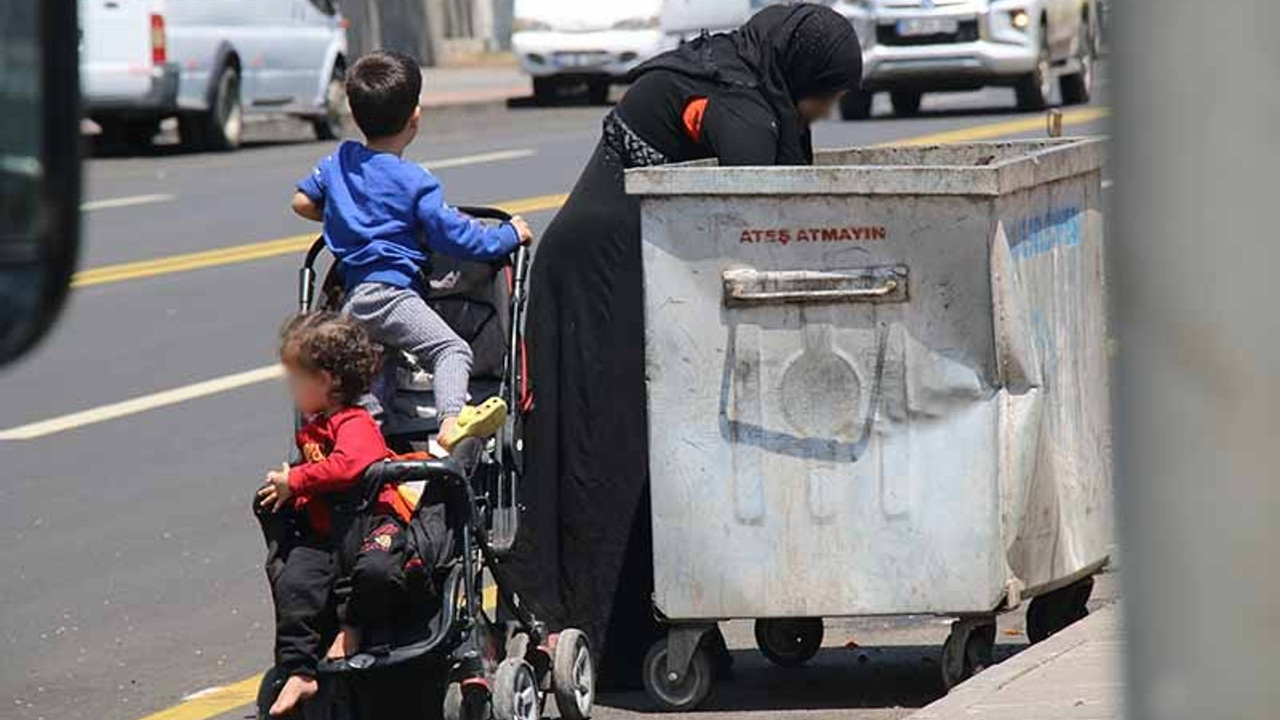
[(911, 47)]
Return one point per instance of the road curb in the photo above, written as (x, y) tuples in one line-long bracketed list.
[(980, 689), (256, 128)]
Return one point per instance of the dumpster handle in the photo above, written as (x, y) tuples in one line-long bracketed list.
[(742, 287)]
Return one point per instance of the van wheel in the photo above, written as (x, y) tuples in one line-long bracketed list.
[(906, 103), (856, 105), (1033, 90), (135, 134), (1077, 88), (598, 92), (222, 125), (329, 125), (546, 91)]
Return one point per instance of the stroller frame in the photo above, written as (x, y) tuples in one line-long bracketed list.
[(497, 668)]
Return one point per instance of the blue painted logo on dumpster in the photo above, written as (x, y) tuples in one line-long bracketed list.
[(1040, 234)]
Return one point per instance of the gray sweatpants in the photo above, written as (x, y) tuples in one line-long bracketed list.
[(401, 320)]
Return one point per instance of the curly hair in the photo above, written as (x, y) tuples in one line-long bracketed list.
[(329, 342)]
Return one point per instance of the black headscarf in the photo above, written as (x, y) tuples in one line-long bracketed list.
[(785, 53)]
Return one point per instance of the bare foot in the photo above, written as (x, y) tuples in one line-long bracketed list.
[(297, 689), (345, 644)]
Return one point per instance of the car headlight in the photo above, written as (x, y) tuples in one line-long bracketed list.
[(529, 24), (638, 23)]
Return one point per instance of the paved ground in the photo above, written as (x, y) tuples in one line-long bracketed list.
[(1074, 675), (131, 566)]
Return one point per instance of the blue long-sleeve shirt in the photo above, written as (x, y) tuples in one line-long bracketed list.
[(384, 216)]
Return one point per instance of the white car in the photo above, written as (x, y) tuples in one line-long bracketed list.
[(911, 47), (208, 63), (563, 44)]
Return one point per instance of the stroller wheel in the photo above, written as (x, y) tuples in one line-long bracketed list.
[(515, 691), (470, 703), (573, 675)]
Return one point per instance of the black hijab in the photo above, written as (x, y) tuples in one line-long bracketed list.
[(785, 53)]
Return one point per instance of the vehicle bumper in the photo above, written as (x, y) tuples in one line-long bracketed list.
[(998, 56), (612, 53), (160, 96), (941, 66)]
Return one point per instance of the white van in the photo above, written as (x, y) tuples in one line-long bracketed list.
[(595, 44), (208, 63)]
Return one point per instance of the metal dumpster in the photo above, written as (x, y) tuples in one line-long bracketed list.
[(878, 385)]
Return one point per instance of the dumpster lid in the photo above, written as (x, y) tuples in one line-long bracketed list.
[(980, 168)]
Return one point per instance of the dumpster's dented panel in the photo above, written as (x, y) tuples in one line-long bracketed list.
[(870, 403)]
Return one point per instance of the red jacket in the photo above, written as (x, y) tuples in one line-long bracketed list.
[(336, 450)]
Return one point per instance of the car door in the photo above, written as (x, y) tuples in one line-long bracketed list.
[(201, 32), (268, 35), (115, 56), (317, 27)]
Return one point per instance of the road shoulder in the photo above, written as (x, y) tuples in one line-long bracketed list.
[(1072, 675)]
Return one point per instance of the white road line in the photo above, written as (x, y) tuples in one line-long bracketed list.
[(489, 157), (107, 204), (142, 404)]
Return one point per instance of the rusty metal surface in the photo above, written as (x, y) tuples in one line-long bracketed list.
[(822, 446)]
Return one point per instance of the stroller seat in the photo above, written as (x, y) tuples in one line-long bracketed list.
[(441, 633)]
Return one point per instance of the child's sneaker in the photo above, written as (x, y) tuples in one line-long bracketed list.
[(482, 421)]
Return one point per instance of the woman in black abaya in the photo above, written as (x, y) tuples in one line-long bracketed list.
[(583, 557)]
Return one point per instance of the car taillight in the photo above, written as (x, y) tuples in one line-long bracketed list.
[(159, 42)]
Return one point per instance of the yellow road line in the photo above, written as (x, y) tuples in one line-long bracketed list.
[(253, 251), (992, 131), (210, 703)]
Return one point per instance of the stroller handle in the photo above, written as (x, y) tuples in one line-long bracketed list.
[(484, 213), (457, 468)]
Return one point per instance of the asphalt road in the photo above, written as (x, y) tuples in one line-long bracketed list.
[(131, 566)]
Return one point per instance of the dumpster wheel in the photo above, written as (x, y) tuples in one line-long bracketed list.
[(670, 691), (1052, 612), (789, 642), (969, 649)]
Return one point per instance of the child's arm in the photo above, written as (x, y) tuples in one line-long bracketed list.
[(451, 233), (307, 208), (308, 196)]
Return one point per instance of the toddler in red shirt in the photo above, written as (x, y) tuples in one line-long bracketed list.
[(329, 361)]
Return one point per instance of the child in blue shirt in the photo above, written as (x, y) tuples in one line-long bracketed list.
[(383, 217)]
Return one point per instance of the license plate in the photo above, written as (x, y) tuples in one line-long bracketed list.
[(915, 27), (580, 59)]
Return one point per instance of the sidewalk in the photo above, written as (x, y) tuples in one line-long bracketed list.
[(1074, 675)]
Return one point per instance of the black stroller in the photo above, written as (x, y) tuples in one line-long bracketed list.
[(481, 659)]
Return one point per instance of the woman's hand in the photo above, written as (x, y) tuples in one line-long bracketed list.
[(276, 492)]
